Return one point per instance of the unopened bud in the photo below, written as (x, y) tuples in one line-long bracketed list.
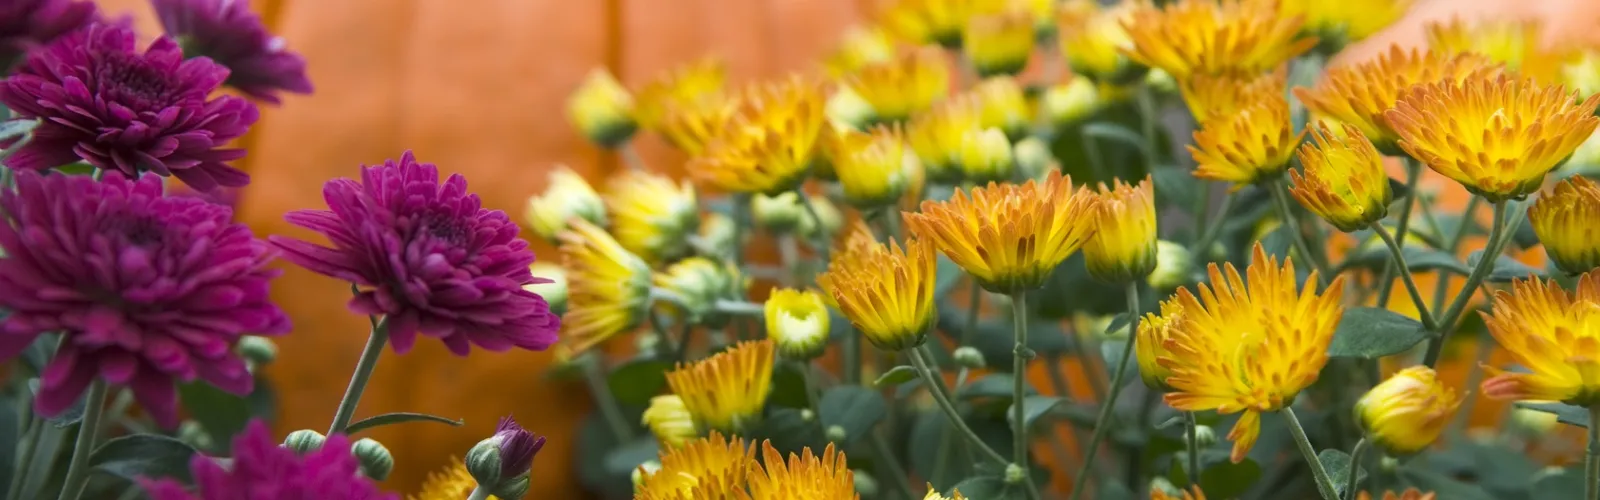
[(969, 357), (836, 433), (1165, 486), (502, 462), (304, 441), (376, 462), (1015, 474), (1388, 464), (865, 484), (194, 434), (554, 292), (258, 350), (1174, 266), (1204, 436), (808, 415), (985, 156), (778, 213), (1034, 158), (1533, 422)]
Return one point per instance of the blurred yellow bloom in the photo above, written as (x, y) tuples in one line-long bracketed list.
[(873, 168), (848, 110), (768, 146), (803, 477), (1210, 37), (858, 48), (602, 109), (1000, 43), (1518, 44), (651, 215), (1553, 333), (1174, 266), (938, 135), (669, 420), (1094, 43), (933, 494), (1409, 494), (812, 228), (1215, 96), (453, 482), (608, 289), (1003, 104), (697, 283), (726, 391), (1250, 346), (682, 86), (1123, 247), (565, 196), (1009, 237), (1072, 102), (691, 126), (985, 156), (1344, 181), (1496, 136), (1345, 20), (797, 321), (1407, 412), (885, 291), (1361, 93), (710, 468), (932, 21), (1250, 146), (906, 85), (1582, 74), (718, 236), (1566, 217), (1150, 343), (1194, 493)]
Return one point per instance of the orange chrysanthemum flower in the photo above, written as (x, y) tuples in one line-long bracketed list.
[(1409, 494), (1496, 136), (1123, 247), (1009, 237), (901, 87), (691, 125), (1250, 346), (767, 148), (1407, 412), (1344, 180), (1213, 38), (608, 289), (1095, 44), (1566, 217), (933, 21), (1555, 334), (885, 291), (1360, 94), (684, 85), (1000, 43), (803, 477), (727, 390), (1250, 146), (710, 468), (1518, 44), (1193, 493), (1215, 96)]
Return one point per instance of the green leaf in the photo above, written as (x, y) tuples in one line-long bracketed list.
[(854, 408), (38, 354), (1371, 333), (987, 487), (1417, 259), (1176, 187), (1033, 408), (1111, 352), (397, 418), (79, 168), (790, 432), (1114, 490), (10, 434), (1560, 483), (1567, 414), (1228, 479), (15, 128), (622, 460), (219, 413), (144, 455), (638, 380), (895, 376), (947, 275), (1117, 133), (1337, 463), (994, 385), (789, 386), (1505, 269)]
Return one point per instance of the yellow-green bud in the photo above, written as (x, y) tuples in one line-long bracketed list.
[(554, 292), (194, 434), (832, 220), (697, 283), (836, 433), (778, 213), (1204, 436), (644, 470), (806, 415), (1034, 158), (1015, 474), (1388, 464), (257, 349), (1071, 103), (376, 462), (566, 197), (865, 484), (304, 441), (985, 156), (1533, 423), (797, 321), (1160, 81), (1174, 266), (847, 107), (969, 357), (717, 237)]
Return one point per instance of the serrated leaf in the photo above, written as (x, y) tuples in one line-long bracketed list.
[(1337, 463), (398, 418), (1371, 333), (144, 455), (854, 408), (638, 380), (1228, 479), (1033, 408), (1565, 413), (895, 376), (1505, 269)]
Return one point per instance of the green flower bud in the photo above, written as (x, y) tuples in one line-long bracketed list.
[(865, 484), (1072, 102), (1204, 436), (836, 433), (1388, 464), (376, 462), (832, 220), (1533, 423), (502, 463), (847, 107), (969, 357), (258, 350), (807, 415), (1015, 474), (697, 283), (780, 213), (1034, 158), (985, 156), (1174, 266), (718, 237), (554, 292), (194, 434), (304, 441), (1163, 485)]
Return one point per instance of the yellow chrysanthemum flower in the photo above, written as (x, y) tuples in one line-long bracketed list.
[(1000, 43), (1150, 343), (1250, 346), (932, 21), (696, 284), (1095, 44), (1213, 38), (726, 391), (1555, 334), (803, 477), (906, 85), (1344, 180), (1360, 94), (1004, 105), (1518, 44), (1009, 237), (985, 156), (1496, 136), (602, 109), (1072, 102), (874, 169), (797, 321), (766, 148), (684, 85), (858, 48), (1409, 494), (1250, 146), (937, 136), (608, 288), (1212, 97), (691, 126), (710, 468), (1582, 74), (933, 494), (669, 420), (1566, 217), (885, 291), (566, 196), (1345, 20), (1407, 412), (651, 215), (1193, 493), (450, 483), (1123, 247)]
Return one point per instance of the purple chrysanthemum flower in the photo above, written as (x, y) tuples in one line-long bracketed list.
[(25, 24), (429, 257), (99, 99), (229, 33), (262, 470), (146, 290), (517, 447), (503, 462)]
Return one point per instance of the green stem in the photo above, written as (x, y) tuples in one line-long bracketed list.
[(1442, 288), (1399, 262), (1202, 247), (479, 493), (740, 307), (789, 255), (973, 303), (1194, 447), (631, 156), (1280, 197), (945, 443), (358, 380), (1355, 468), (1019, 389), (886, 455), (30, 445), (1320, 474), (821, 240), (610, 411), (1481, 271), (88, 429), (936, 389), (1592, 461), (1402, 228), (1102, 422)]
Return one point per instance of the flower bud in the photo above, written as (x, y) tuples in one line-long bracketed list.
[(652, 215), (1388, 464), (864, 483), (1149, 345), (969, 357), (936, 137), (985, 156), (602, 109), (1164, 487), (645, 470), (555, 291), (1034, 158), (697, 283), (1564, 217), (999, 44), (797, 321), (304, 441), (1174, 267), (1123, 247), (874, 169), (566, 196), (1014, 474), (779, 213), (806, 415), (257, 349), (1407, 412), (376, 462), (1072, 102), (1533, 422), (194, 434), (1343, 179), (1204, 436), (1002, 104), (669, 420), (847, 107), (835, 433), (832, 220), (502, 462)]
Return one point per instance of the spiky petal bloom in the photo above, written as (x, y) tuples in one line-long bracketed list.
[(767, 148), (1209, 37), (1520, 44), (692, 125), (1344, 181), (1345, 20), (803, 477), (1000, 43), (1150, 342), (904, 86), (669, 420), (885, 291), (1408, 494), (1250, 346), (146, 290), (450, 483), (1498, 137), (428, 257), (609, 288), (1250, 146), (226, 31), (27, 24), (1407, 412), (1123, 247), (565, 196), (1095, 44), (933, 494), (858, 48), (1360, 94), (874, 169), (797, 321), (683, 85), (1214, 97), (937, 136), (602, 109), (651, 214), (1009, 237), (99, 99), (726, 391), (1567, 219), (262, 470), (1555, 334), (1003, 104), (710, 468)]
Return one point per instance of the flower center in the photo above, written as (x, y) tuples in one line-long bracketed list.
[(136, 229), (452, 230), (134, 82)]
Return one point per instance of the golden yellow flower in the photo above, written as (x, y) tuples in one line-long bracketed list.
[(1582, 74), (873, 168), (1344, 181), (608, 288), (1123, 247), (651, 215), (1250, 146), (985, 156), (908, 84), (1002, 104), (932, 21), (710, 468), (803, 477), (669, 419), (1518, 44), (450, 483), (937, 136), (1407, 412), (1193, 493), (696, 284), (1360, 94), (1553, 333), (1214, 37), (565, 196), (858, 48), (1345, 20), (1497, 136), (1565, 218), (1072, 102), (691, 126), (1094, 42), (726, 391), (602, 109), (1215, 96), (766, 148), (933, 494), (684, 85), (1000, 43), (1250, 346), (797, 321), (1009, 237), (885, 291), (1150, 343), (1409, 494)]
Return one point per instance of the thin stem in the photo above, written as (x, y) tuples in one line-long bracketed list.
[(973, 303), (936, 389), (886, 456), (610, 411), (1592, 462), (631, 156), (30, 446), (1463, 416), (363, 372), (945, 442), (1324, 482), (1280, 197), (740, 307), (479, 493), (1355, 468), (1401, 228), (1145, 102), (1202, 247), (1405, 276), (1193, 469), (1485, 264), (1460, 235), (1102, 423), (88, 429), (1132, 469), (1019, 389), (682, 352), (852, 355)]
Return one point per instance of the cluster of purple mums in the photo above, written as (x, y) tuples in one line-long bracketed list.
[(149, 289)]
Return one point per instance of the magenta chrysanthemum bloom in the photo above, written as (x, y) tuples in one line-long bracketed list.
[(230, 34), (262, 470), (517, 447), (146, 290), (98, 98), (25, 24), (429, 257)]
